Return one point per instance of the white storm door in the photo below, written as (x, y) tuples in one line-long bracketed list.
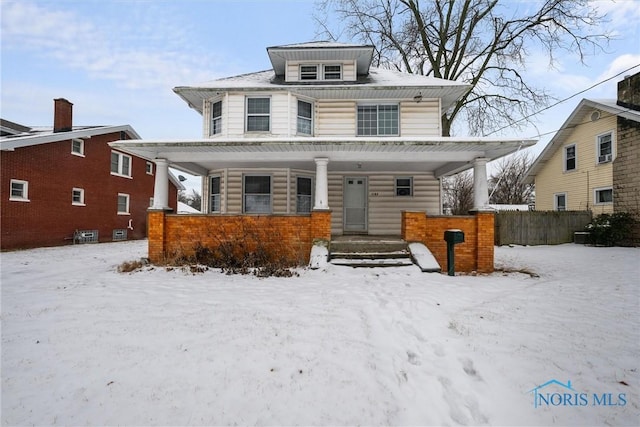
[(355, 204)]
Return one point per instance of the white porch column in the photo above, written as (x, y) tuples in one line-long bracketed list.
[(161, 187), (322, 184), (480, 186)]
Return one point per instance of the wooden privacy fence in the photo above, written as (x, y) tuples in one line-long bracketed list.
[(538, 227)]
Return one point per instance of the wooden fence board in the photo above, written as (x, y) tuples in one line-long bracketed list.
[(538, 227)]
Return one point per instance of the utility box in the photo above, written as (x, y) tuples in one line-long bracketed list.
[(452, 237)]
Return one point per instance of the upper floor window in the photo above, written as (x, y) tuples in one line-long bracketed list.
[(605, 148), (149, 168), (19, 191), (305, 117), (333, 72), (216, 118), (377, 120), (570, 157), (215, 194), (603, 195), (308, 72), (77, 197), (120, 164), (77, 147), (404, 186), (256, 194), (258, 114)]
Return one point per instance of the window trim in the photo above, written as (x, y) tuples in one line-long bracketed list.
[(555, 201), (25, 191), (246, 114), (120, 164), (211, 194), (598, 145), (128, 204), (244, 193), (324, 72), (310, 178), (81, 191), (215, 118), (565, 158), (78, 153), (599, 190), (298, 117), (396, 186), (378, 105)]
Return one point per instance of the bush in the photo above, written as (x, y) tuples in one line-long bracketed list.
[(611, 229)]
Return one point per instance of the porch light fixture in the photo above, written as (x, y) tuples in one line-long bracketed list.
[(418, 97)]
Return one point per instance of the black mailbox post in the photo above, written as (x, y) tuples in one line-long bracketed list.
[(452, 237)]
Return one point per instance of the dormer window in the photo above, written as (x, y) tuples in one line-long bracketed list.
[(333, 72), (308, 72)]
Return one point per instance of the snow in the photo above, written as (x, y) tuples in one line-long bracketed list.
[(84, 344), (423, 257)]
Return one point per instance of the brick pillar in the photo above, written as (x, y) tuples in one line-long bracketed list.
[(485, 221), (321, 225), (156, 224), (414, 226)]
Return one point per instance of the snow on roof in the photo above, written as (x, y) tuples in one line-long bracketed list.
[(319, 45), (45, 134)]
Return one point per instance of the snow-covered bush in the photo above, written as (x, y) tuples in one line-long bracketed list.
[(611, 229)]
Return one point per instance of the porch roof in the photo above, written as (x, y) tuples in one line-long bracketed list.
[(441, 155)]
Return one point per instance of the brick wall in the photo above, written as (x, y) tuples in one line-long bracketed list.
[(475, 254), (626, 179), (49, 218), (287, 236)]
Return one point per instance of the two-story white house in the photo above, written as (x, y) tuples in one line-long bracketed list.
[(323, 130)]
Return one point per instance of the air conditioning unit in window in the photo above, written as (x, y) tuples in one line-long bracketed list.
[(604, 159)]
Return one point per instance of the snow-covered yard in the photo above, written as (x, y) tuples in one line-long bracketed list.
[(84, 344)]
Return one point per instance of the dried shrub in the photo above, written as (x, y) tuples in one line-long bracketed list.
[(130, 266)]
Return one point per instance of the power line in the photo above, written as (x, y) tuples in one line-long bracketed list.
[(561, 101)]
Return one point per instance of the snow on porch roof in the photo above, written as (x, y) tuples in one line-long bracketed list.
[(441, 155)]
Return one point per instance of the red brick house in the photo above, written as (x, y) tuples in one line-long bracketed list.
[(66, 184)]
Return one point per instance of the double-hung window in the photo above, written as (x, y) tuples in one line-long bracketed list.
[(605, 148), (214, 189), (258, 114), (332, 72), (77, 147), (308, 72), (120, 164), (123, 204), (570, 157), (19, 191), (303, 194), (305, 117), (256, 194), (216, 117), (603, 196), (376, 120)]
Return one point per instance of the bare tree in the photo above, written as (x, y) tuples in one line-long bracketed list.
[(194, 199), (458, 193), (478, 42), (506, 183)]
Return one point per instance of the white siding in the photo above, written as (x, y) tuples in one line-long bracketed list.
[(420, 119), (335, 118), (292, 70)]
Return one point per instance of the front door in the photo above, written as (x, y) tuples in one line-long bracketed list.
[(355, 204)]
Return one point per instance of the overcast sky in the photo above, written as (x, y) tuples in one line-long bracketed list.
[(117, 61)]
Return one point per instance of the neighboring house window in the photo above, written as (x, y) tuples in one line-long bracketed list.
[(305, 115), (77, 147), (258, 114), (603, 196), (308, 72), (570, 157), (150, 202), (120, 164), (77, 197), (123, 204), (303, 194), (605, 148), (333, 72), (216, 118), (560, 201), (256, 194), (215, 194), (404, 186), (19, 191), (377, 120), (149, 168)]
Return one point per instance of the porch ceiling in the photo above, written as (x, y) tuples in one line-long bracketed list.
[(441, 155)]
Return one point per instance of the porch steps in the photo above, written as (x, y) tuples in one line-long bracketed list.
[(369, 251)]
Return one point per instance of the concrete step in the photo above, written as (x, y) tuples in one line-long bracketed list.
[(371, 263), (368, 251), (371, 255)]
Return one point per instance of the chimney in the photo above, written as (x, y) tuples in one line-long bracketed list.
[(629, 92), (62, 115)]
